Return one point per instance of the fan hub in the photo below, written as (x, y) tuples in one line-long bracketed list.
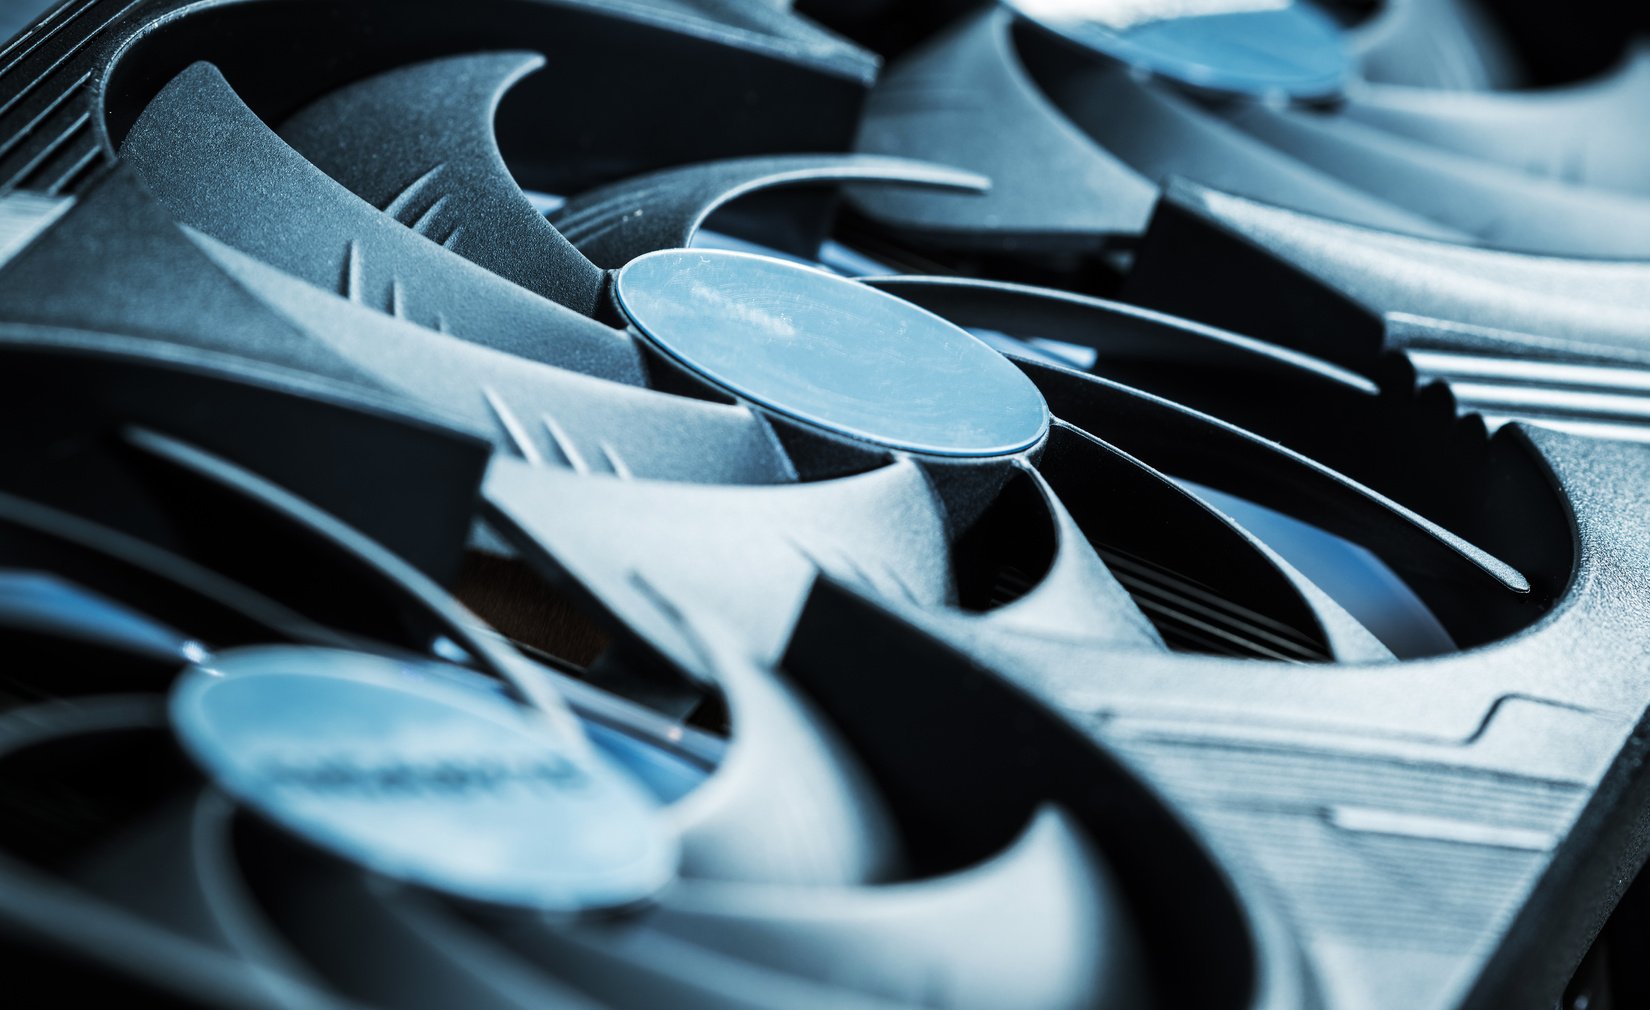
[(832, 352), (422, 778), (1258, 48)]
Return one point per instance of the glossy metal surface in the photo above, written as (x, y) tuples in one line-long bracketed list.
[(422, 778), (1268, 48), (831, 352)]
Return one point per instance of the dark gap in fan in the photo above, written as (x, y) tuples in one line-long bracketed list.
[(61, 798), (548, 626), (1192, 617), (506, 594), (1007, 551)]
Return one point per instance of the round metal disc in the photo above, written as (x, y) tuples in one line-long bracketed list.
[(832, 352), (1258, 48), (422, 778)]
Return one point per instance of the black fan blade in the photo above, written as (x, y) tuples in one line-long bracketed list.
[(1565, 342), (1072, 594), (1211, 370), (1440, 45), (418, 143), (664, 210), (117, 245), (176, 869), (541, 413), (1195, 446), (1502, 207), (247, 188), (390, 140), (708, 546), (375, 942), (1038, 926), (818, 823), (198, 602), (82, 797), (1207, 584), (1075, 150), (965, 99), (429, 612), (1583, 133)]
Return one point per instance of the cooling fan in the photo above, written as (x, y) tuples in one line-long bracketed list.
[(1411, 117), (1136, 519), (362, 808)]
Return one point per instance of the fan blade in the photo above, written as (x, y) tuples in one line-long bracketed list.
[(1562, 343), (1585, 133), (220, 169), (1345, 280), (1163, 135), (381, 945), (1038, 926), (664, 210), (176, 868), (1171, 357), (1198, 447), (418, 144), (391, 140), (707, 546), (420, 604), (818, 823), (45, 618), (1501, 206), (172, 588), (538, 412), (966, 99), (82, 796), (1207, 583), (1075, 595), (1440, 45)]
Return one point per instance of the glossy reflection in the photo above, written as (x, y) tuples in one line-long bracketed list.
[(832, 353), (1262, 48), (422, 778)]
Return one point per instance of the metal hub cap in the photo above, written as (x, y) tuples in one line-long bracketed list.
[(1258, 48), (832, 352), (421, 777)]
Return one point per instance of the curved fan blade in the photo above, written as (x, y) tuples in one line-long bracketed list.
[(965, 99), (1539, 307), (617, 223), (418, 144), (219, 168), (541, 413), (391, 139), (379, 944), (1504, 207), (1441, 45), (62, 916), (1039, 926), (173, 589), (1162, 134), (418, 601), (1198, 447), (709, 547), (1076, 596), (1585, 133), (788, 804), (1182, 361), (1207, 583), (176, 869)]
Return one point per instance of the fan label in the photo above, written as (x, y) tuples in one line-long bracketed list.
[(423, 779)]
